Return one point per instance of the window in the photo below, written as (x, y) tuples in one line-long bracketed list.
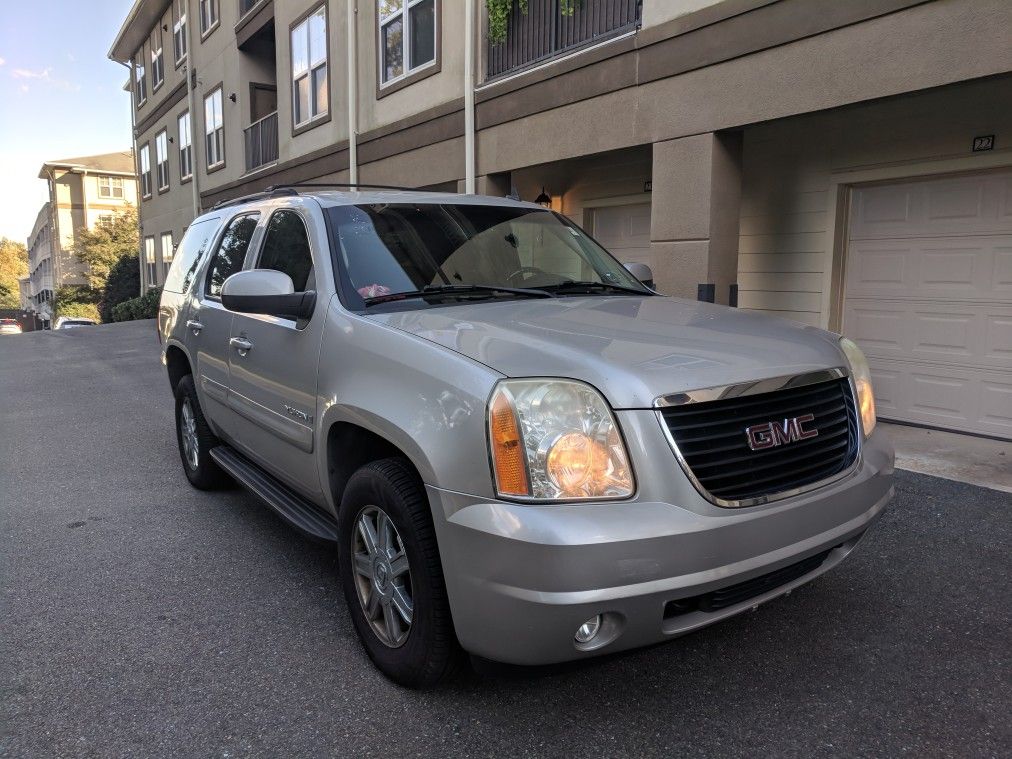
[(110, 187), (286, 249), (187, 258), (157, 60), (145, 170), (150, 267), (309, 67), (167, 251), (179, 30), (208, 15), (162, 160), (185, 149), (407, 37), (214, 132), (231, 253), (140, 83)]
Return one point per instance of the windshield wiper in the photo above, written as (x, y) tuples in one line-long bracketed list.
[(594, 287), (451, 291)]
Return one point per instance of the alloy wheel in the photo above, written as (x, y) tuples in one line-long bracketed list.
[(382, 576), (188, 434)]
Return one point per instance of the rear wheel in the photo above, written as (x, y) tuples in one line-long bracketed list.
[(195, 439), (392, 576)]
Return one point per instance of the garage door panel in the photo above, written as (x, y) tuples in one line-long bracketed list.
[(624, 230), (928, 296)]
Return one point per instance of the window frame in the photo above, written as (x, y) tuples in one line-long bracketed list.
[(109, 190), (409, 75), (157, 59), (150, 262), (220, 162), (166, 262), (144, 157), (324, 116), (179, 20), (185, 115), (162, 166), (213, 17), (140, 79)]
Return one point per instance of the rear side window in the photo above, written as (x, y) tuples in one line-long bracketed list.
[(189, 253), (231, 252), (286, 249)]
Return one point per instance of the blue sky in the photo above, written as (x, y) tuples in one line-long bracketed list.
[(59, 96)]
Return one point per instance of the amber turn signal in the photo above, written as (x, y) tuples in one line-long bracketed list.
[(507, 448)]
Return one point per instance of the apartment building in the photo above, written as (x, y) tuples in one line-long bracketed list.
[(81, 191), (843, 164)]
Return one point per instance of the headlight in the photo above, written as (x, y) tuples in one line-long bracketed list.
[(555, 440), (862, 381)]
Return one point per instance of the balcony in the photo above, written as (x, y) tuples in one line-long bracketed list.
[(261, 141), (544, 32)]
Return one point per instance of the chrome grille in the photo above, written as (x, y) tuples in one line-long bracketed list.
[(712, 446)]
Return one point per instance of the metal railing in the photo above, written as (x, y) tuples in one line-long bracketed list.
[(545, 32), (261, 141)]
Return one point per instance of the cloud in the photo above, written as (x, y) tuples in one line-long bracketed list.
[(3, 61), (44, 76)]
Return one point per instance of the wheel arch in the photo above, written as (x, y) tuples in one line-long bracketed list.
[(177, 362)]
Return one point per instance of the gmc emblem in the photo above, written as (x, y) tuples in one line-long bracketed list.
[(772, 434)]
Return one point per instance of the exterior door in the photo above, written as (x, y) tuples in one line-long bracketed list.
[(928, 297), (624, 231), (273, 365), (209, 325)]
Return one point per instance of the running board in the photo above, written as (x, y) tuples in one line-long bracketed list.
[(292, 507)]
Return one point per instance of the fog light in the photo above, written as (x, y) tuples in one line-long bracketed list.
[(586, 632)]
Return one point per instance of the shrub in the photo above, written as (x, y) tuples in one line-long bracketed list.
[(144, 307), (124, 283)]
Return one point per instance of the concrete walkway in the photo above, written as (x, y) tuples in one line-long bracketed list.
[(964, 458)]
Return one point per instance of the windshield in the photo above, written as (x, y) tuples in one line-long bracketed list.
[(406, 247)]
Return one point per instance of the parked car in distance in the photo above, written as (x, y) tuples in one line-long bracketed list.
[(72, 322), (520, 450), (10, 327)]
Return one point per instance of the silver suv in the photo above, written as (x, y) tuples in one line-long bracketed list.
[(520, 450)]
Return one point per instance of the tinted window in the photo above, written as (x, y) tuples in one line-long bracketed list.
[(231, 253), (286, 248), (187, 256)]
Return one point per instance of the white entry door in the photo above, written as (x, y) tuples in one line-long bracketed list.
[(624, 231), (928, 297)]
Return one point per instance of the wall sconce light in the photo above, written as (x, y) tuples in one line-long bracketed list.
[(171, 140), (543, 200), (232, 97), (165, 27)]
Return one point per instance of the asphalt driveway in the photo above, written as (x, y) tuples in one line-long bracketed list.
[(140, 617)]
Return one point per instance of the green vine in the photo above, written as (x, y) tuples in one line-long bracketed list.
[(499, 15)]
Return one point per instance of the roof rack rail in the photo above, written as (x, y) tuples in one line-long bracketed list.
[(296, 185), (270, 192)]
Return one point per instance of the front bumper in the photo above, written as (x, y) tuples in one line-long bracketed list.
[(522, 578)]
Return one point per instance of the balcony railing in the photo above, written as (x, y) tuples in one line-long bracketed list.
[(544, 32), (261, 138)]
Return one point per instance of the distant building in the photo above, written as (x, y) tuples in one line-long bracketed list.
[(81, 191)]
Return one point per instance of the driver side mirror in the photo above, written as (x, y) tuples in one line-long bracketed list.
[(265, 291), (642, 272)]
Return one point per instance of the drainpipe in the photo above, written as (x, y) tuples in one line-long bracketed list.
[(137, 172), (352, 68), (469, 35), (191, 104)]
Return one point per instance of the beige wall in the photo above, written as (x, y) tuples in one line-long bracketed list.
[(658, 11), (793, 168)]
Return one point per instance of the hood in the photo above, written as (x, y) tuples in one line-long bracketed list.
[(632, 349)]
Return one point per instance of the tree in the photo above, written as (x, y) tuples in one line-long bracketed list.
[(76, 300), (13, 264), (102, 246), (124, 283)]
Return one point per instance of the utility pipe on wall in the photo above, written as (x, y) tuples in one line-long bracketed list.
[(191, 105), (352, 91), (469, 36)]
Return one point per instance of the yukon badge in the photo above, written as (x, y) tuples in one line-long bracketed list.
[(772, 434)]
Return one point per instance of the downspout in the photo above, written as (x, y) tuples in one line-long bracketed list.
[(352, 68), (137, 173), (191, 77), (469, 35)]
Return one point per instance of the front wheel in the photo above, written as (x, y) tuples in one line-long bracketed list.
[(195, 439), (392, 576)]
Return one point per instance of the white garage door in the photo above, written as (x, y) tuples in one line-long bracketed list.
[(623, 230), (929, 299)]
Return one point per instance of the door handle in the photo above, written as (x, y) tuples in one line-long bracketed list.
[(195, 326), (241, 344)]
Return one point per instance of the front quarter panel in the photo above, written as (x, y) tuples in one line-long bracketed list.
[(425, 399)]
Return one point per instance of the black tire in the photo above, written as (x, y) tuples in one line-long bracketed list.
[(202, 473), (430, 653)]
